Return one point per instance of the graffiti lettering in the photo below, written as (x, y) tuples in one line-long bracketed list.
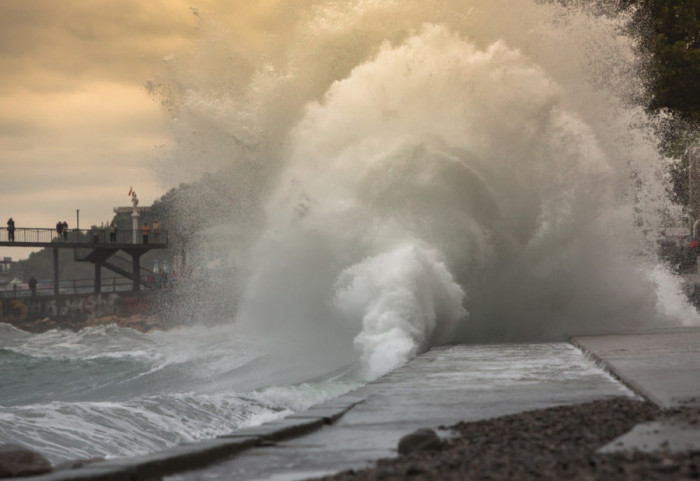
[(77, 306), (18, 310)]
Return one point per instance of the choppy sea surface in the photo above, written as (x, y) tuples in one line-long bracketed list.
[(109, 391)]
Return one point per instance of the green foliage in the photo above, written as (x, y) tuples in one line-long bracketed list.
[(670, 41), (673, 39), (678, 150)]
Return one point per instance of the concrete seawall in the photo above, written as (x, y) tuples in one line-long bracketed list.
[(71, 310)]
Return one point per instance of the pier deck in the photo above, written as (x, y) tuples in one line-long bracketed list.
[(94, 245)]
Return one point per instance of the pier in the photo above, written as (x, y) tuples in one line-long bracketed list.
[(96, 246)]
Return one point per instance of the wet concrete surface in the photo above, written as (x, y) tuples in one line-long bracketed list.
[(657, 436), (664, 367), (438, 388)]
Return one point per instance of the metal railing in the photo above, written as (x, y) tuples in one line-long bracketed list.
[(82, 236), (75, 286), (84, 286)]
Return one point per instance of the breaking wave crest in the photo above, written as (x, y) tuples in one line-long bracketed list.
[(439, 172)]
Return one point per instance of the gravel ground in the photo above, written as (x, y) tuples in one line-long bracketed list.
[(549, 444)]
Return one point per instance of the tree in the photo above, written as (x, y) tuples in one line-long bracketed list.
[(669, 33), (672, 37)]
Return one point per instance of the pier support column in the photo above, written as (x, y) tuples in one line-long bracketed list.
[(136, 271), (98, 277), (55, 271)]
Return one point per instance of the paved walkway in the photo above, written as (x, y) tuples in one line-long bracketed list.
[(661, 365), (664, 367), (442, 387)]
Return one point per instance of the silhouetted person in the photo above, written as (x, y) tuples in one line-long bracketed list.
[(59, 229), (144, 231), (65, 230), (113, 232), (32, 285), (11, 230)]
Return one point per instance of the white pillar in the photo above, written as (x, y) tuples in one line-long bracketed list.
[(135, 218), (135, 226)]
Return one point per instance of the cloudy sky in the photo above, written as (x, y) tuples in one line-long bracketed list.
[(77, 126)]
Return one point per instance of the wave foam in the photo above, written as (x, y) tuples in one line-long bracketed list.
[(400, 298)]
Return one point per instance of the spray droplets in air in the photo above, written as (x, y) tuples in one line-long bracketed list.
[(447, 172)]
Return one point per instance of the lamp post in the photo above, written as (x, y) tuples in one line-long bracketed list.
[(77, 220)]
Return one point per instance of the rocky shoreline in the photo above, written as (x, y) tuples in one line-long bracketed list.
[(558, 443)]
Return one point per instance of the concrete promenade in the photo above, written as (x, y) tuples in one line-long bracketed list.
[(664, 367), (441, 387), (661, 365)]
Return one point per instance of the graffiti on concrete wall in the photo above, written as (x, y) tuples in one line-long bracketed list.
[(93, 305), (84, 306), (14, 310)]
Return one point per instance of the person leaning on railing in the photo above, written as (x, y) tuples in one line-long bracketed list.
[(144, 231), (10, 230), (113, 232), (32, 285)]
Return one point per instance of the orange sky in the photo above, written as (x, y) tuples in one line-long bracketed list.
[(77, 126)]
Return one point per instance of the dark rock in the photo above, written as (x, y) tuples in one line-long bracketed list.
[(76, 463), (420, 440), (19, 461)]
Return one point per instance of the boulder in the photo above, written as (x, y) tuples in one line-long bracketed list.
[(19, 461), (420, 440)]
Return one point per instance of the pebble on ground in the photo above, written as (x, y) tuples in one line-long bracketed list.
[(558, 443)]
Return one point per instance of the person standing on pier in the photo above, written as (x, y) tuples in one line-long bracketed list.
[(32, 285), (65, 230), (144, 231), (11, 230), (113, 232), (59, 229)]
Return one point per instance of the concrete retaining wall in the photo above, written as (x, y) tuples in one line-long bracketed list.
[(72, 308)]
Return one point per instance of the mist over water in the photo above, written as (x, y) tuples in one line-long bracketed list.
[(430, 172)]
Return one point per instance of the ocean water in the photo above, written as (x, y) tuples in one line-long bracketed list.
[(109, 391), (398, 175)]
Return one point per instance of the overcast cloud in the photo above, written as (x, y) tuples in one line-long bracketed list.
[(77, 126)]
